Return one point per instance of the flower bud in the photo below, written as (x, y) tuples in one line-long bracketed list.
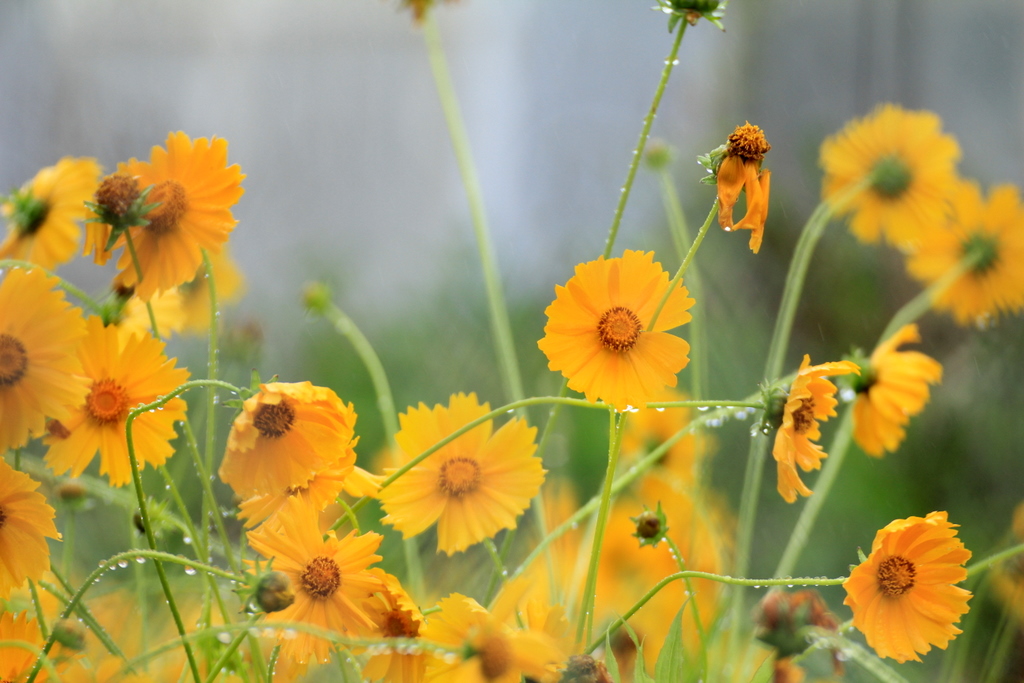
[(658, 155), (651, 527), (116, 194), (70, 634), (585, 669), (71, 491), (316, 297), (783, 619), (274, 592)]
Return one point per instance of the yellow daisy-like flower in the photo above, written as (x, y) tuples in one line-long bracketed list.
[(492, 652), (26, 521), (284, 435), (330, 577), (810, 400), (167, 309), (39, 366), (473, 487), (903, 598), (195, 294), (741, 171), (322, 490), (195, 189), (989, 233), (16, 662), (910, 168), (43, 216), (597, 333), (123, 373), (395, 616), (892, 389)]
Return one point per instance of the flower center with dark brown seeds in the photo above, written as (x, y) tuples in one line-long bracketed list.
[(896, 576), (274, 420), (495, 658), (459, 476), (13, 360), (173, 205), (321, 577), (619, 329), (803, 417), (398, 624)]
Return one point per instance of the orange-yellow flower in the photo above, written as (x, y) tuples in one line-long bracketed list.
[(322, 490), (741, 171), (893, 388), (43, 216), (903, 598), (990, 233), (284, 435), (195, 189), (330, 577), (26, 521), (395, 615), (122, 373), (474, 486), (810, 400), (909, 167), (39, 366), (16, 662), (597, 332)]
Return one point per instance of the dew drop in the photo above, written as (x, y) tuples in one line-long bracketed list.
[(224, 637), (191, 571), (140, 560), (187, 540), (660, 410), (703, 409), (847, 394), (290, 634), (122, 564)]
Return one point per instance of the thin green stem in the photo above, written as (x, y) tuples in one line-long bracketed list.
[(212, 371), (83, 613), (67, 551), (211, 498), (138, 275), (922, 303), (982, 565), (684, 265), (692, 599), (641, 144), (231, 649), (730, 580), (350, 515), (38, 607), (617, 422), (499, 567), (141, 586), (501, 327), (822, 487), (74, 291)]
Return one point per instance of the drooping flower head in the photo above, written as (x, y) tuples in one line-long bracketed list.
[(43, 216), (284, 435), (903, 598), (122, 373), (39, 366), (195, 190), (395, 615), (597, 332), (909, 166), (990, 233), (741, 171), (330, 577), (474, 486), (892, 389), (26, 521), (811, 399)]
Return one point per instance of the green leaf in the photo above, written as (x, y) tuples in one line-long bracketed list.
[(669, 668), (610, 662)]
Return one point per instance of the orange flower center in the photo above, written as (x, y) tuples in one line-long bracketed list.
[(13, 360), (619, 329), (495, 658), (274, 420), (321, 577), (459, 476), (896, 576), (108, 402), (748, 141), (398, 624), (803, 417), (173, 205)]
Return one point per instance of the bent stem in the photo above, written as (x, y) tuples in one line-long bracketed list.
[(685, 264), (645, 132), (501, 328), (586, 618)]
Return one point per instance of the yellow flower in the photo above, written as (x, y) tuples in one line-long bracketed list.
[(43, 216), (122, 374), (16, 662), (991, 234), (39, 366), (395, 615), (330, 577), (284, 435), (473, 487), (26, 521), (597, 332), (195, 294), (909, 167), (490, 650), (893, 388), (810, 400), (195, 189), (648, 428), (741, 170), (322, 490), (167, 309), (903, 598)]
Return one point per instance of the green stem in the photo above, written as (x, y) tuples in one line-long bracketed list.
[(982, 565), (730, 580), (212, 370), (922, 303), (617, 423), (74, 291), (83, 613), (500, 326), (211, 498), (692, 599), (141, 587), (231, 649), (684, 265), (67, 551), (809, 514), (350, 515), (492, 550), (38, 607), (645, 132), (138, 276)]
